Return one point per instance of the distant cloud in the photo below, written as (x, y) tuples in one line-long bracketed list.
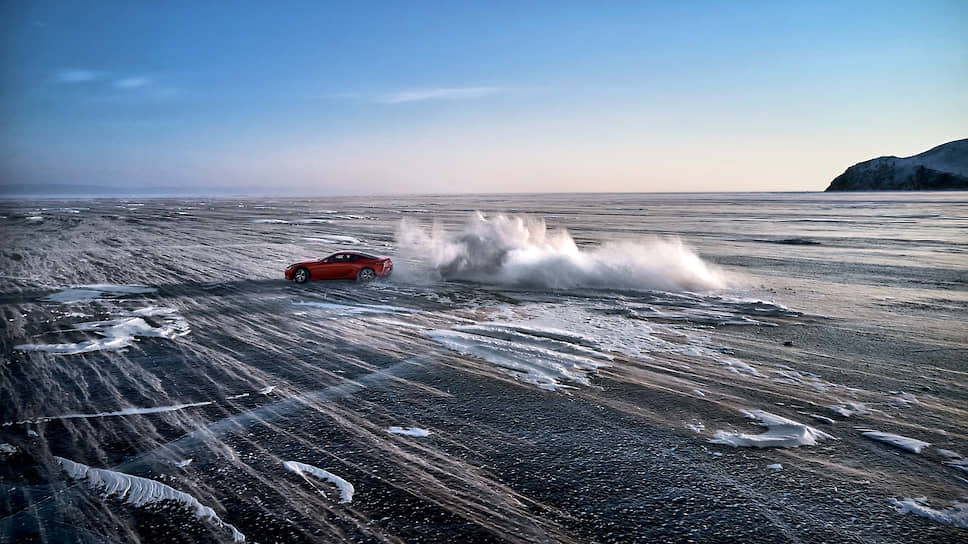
[(75, 76), (444, 93), (132, 82)]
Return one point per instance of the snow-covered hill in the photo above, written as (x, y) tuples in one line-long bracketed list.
[(944, 167)]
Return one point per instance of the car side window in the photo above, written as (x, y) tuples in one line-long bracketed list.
[(352, 258)]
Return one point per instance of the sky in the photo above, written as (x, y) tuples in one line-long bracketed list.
[(463, 97)]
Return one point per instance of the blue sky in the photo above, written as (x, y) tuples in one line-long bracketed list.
[(315, 98)]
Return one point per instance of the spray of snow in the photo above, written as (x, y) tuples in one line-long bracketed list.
[(781, 433), (345, 488), (138, 491), (518, 251)]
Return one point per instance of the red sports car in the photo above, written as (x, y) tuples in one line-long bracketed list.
[(345, 265)]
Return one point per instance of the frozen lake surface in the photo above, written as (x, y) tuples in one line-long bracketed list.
[(539, 368)]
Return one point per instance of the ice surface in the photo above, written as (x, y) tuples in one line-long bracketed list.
[(409, 431), (271, 221), (530, 354), (124, 412), (956, 514), (138, 491), (345, 488), (355, 309), (90, 293), (781, 433), (909, 444)]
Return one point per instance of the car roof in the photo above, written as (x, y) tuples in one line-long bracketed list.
[(364, 255)]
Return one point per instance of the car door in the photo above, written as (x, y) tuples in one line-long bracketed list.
[(326, 269), (340, 267), (351, 267)]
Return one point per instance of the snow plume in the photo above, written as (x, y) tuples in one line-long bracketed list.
[(520, 251)]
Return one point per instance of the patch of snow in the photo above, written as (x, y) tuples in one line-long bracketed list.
[(776, 467), (346, 489), (266, 390), (32, 433), (908, 444), (138, 491), (8, 449), (781, 433), (119, 333), (409, 431), (956, 514), (271, 221), (822, 419), (184, 463), (902, 399), (847, 409)]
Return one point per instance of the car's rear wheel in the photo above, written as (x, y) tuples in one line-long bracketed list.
[(367, 274), (301, 275)]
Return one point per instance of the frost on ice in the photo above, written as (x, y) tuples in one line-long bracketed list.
[(345, 488), (138, 491), (781, 433)]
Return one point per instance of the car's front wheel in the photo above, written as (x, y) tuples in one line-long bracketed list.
[(301, 275), (367, 274)]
